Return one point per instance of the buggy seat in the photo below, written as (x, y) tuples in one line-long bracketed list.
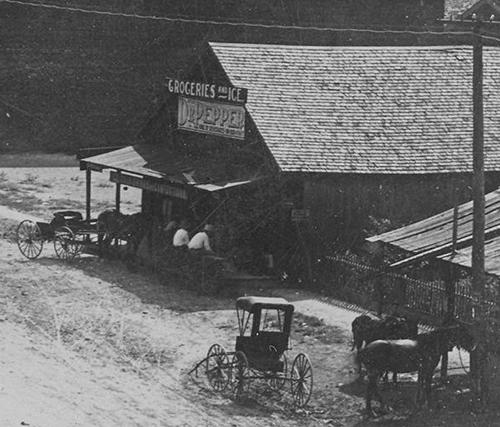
[(67, 218), (264, 350)]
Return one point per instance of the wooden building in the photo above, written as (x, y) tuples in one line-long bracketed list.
[(345, 137)]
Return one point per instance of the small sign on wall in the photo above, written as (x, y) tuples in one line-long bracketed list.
[(207, 90), (300, 215), (214, 118)]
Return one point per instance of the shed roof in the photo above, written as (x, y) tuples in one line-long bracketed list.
[(390, 110), (436, 232), (160, 162)]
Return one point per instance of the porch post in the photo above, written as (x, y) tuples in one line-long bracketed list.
[(88, 178), (118, 193)]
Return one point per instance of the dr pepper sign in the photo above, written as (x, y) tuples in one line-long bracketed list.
[(210, 108)]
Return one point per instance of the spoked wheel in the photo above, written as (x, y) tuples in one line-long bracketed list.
[(65, 244), (218, 368), (278, 380), (301, 377), (29, 239), (239, 368)]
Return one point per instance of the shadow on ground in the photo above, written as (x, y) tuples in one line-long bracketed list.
[(145, 285)]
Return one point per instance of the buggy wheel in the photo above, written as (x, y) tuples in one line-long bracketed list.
[(278, 380), (218, 368), (29, 239), (301, 377), (239, 368), (65, 244)]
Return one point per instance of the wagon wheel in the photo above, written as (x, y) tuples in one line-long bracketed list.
[(239, 367), (301, 377), (29, 239), (65, 244), (218, 368), (278, 380)]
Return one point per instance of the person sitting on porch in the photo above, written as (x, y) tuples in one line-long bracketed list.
[(201, 240), (170, 229), (181, 236)]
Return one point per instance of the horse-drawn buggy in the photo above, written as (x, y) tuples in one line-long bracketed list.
[(68, 231), (260, 352), (72, 235)]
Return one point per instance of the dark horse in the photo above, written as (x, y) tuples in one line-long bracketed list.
[(419, 355), (365, 329), (113, 226)]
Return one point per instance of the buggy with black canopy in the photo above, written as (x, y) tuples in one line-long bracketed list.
[(260, 352)]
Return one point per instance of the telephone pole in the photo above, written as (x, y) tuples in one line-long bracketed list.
[(478, 358), (478, 276)]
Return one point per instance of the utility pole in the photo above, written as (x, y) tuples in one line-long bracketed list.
[(478, 275), (478, 359)]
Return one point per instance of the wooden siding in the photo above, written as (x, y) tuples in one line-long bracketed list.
[(361, 202)]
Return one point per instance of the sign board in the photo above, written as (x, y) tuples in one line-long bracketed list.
[(208, 91), (300, 215), (150, 185), (214, 118)]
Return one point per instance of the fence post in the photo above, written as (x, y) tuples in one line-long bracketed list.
[(449, 316)]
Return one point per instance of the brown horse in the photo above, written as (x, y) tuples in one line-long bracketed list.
[(113, 226), (419, 355), (365, 329)]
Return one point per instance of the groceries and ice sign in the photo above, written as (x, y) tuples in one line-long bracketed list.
[(215, 118), (210, 108)]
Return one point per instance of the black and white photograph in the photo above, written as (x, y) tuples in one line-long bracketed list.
[(276, 213)]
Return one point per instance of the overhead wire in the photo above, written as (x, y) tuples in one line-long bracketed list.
[(495, 39), (230, 23)]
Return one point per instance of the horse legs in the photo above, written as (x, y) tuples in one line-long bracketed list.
[(428, 388), (372, 389)]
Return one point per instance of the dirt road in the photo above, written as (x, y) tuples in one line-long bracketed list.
[(91, 344)]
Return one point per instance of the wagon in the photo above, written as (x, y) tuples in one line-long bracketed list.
[(68, 231), (260, 352)]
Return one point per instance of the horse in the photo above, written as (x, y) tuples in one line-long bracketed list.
[(366, 330), (114, 225), (420, 355)]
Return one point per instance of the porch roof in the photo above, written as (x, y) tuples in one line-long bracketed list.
[(161, 163)]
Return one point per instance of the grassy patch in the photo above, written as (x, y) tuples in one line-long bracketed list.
[(310, 326), (104, 185), (19, 200), (66, 204), (8, 229), (22, 160), (29, 179)]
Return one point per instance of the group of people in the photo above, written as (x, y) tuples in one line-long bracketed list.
[(179, 235)]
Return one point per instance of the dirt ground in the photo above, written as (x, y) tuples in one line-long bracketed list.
[(89, 343)]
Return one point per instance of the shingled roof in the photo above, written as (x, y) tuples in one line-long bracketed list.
[(399, 110), (455, 8)]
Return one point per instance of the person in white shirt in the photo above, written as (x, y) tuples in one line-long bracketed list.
[(201, 240), (181, 236)]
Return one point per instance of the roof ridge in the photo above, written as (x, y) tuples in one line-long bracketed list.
[(289, 46)]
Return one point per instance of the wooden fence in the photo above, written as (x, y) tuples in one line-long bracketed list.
[(387, 292)]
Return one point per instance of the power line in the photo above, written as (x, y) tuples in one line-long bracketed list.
[(230, 23), (495, 39)]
